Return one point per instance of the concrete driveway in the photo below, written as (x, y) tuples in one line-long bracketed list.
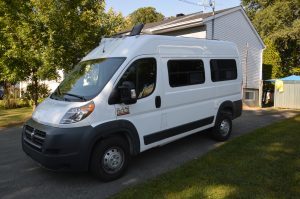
[(20, 177)]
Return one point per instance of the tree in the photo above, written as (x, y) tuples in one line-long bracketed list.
[(74, 28), (271, 61), (115, 22), (252, 6), (145, 15), (41, 36), (14, 44), (278, 21), (288, 42)]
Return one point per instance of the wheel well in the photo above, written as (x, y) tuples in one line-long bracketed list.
[(227, 109), (123, 135)]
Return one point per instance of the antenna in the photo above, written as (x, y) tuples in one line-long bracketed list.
[(190, 2), (210, 3)]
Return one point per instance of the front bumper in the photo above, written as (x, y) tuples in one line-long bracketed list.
[(56, 148)]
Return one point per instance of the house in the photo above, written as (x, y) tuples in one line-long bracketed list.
[(230, 25), (52, 84)]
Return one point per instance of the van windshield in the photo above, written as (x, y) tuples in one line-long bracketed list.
[(87, 79)]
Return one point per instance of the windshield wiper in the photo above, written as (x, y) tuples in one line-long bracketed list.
[(74, 95), (58, 90), (54, 95)]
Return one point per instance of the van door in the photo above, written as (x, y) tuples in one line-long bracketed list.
[(188, 99), (145, 114)]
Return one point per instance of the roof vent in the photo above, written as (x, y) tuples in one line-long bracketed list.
[(136, 30), (180, 15)]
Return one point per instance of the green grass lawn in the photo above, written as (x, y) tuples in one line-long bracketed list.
[(263, 164), (12, 117)]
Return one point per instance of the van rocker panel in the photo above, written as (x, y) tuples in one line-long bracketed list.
[(155, 137)]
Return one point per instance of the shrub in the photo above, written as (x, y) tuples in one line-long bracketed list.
[(14, 103), (11, 101), (43, 91)]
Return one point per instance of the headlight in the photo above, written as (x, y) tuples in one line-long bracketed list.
[(77, 114)]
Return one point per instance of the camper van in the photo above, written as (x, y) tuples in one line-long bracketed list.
[(131, 94)]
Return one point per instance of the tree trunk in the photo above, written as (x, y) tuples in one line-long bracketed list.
[(9, 97), (6, 96), (6, 88), (35, 93)]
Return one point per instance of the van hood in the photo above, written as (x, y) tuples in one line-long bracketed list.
[(50, 112)]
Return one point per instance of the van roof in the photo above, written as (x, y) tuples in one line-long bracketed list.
[(163, 45)]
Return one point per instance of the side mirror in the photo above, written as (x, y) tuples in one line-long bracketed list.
[(127, 93)]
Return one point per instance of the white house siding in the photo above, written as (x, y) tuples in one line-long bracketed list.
[(235, 27)]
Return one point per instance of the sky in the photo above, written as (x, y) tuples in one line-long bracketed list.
[(166, 7)]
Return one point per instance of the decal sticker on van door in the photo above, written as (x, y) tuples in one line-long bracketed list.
[(123, 110)]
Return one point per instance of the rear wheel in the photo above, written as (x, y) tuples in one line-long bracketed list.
[(223, 126), (110, 158)]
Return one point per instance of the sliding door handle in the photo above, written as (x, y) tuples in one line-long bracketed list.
[(157, 101)]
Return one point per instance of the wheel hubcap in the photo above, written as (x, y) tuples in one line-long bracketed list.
[(224, 127), (113, 160)]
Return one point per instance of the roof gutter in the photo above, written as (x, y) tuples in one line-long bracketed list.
[(175, 26)]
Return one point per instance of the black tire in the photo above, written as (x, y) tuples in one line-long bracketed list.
[(221, 132), (110, 158)]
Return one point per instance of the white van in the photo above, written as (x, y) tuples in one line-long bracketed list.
[(131, 94)]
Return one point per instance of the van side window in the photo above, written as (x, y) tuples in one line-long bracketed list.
[(223, 69), (185, 72), (142, 73)]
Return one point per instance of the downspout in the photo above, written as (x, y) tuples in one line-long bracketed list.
[(246, 65), (261, 86), (213, 24)]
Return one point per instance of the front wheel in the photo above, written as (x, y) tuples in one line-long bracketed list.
[(110, 158), (223, 126)]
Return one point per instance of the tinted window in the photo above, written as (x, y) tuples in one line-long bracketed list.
[(223, 69), (143, 74), (185, 72)]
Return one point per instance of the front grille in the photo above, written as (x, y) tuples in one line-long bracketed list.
[(34, 137)]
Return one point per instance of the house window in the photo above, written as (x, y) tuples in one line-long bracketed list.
[(185, 72), (249, 95), (223, 69)]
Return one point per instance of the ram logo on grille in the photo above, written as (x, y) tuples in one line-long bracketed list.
[(32, 134)]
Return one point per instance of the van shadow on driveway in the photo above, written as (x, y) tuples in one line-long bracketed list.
[(23, 178)]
